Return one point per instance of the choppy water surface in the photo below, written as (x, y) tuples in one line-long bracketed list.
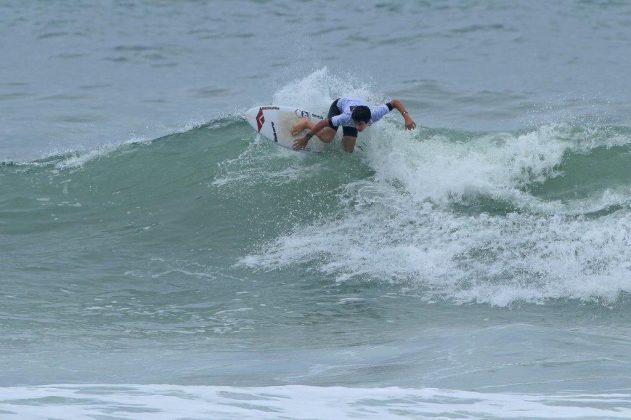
[(159, 260)]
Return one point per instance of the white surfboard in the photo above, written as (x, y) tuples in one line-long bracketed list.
[(275, 123)]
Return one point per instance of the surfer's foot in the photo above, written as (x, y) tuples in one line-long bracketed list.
[(300, 125)]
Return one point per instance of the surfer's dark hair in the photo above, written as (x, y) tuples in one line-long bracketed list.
[(361, 113)]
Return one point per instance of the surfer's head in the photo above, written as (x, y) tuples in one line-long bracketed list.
[(361, 117)]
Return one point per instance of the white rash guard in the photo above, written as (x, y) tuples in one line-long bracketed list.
[(346, 106)]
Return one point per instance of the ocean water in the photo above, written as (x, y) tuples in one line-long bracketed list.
[(159, 260)]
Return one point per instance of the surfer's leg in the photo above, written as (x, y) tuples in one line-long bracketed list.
[(300, 125), (349, 137), (348, 143), (326, 134)]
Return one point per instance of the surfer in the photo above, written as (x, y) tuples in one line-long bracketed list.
[(354, 115)]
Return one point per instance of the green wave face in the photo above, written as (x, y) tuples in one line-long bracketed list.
[(461, 216)]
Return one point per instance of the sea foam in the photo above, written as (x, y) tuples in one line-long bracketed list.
[(456, 215)]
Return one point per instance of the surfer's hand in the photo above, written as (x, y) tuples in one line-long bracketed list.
[(409, 122), (300, 143)]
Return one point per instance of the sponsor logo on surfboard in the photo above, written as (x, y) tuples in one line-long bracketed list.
[(260, 119), (274, 131), (306, 114)]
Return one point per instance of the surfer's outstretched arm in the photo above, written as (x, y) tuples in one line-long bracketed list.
[(409, 122)]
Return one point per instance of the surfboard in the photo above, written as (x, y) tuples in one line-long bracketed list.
[(275, 122)]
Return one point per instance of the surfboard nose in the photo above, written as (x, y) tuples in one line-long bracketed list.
[(252, 116), (251, 113)]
